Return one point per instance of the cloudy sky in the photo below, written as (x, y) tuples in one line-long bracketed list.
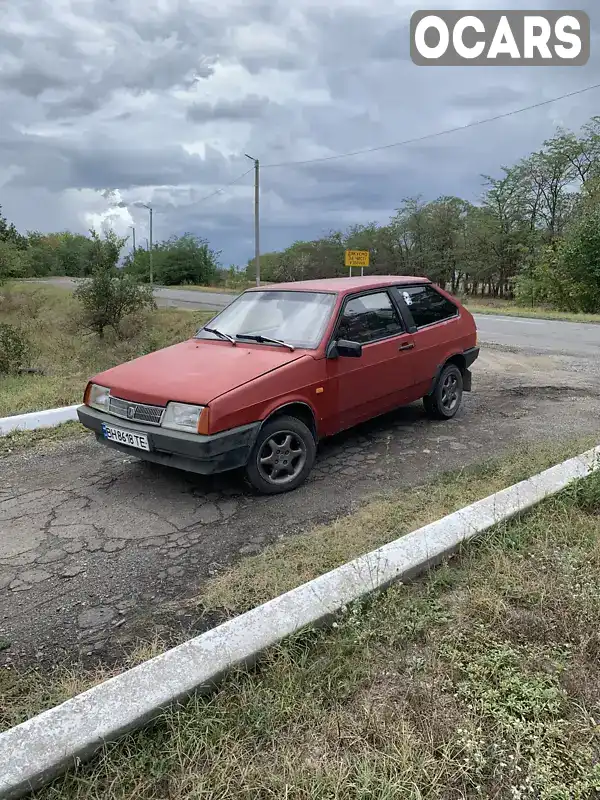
[(122, 101)]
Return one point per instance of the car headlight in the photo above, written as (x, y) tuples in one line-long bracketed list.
[(183, 417), (98, 397)]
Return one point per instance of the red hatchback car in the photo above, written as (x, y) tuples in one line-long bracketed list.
[(282, 367)]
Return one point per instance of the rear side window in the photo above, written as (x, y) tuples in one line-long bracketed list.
[(369, 318), (427, 305)]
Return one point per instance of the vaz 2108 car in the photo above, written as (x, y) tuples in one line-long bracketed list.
[(282, 367)]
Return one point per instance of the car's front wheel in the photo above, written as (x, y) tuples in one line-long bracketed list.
[(282, 457), (444, 401)]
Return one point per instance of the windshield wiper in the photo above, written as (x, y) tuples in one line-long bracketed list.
[(220, 334), (255, 337)]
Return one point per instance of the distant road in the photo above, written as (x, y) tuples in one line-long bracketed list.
[(551, 336), (543, 335), (166, 296)]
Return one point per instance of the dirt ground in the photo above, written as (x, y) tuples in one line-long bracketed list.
[(95, 545)]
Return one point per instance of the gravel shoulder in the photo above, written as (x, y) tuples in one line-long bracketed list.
[(95, 546)]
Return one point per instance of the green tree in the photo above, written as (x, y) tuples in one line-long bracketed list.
[(109, 294), (9, 234), (269, 268), (14, 262), (578, 265), (61, 253), (179, 260)]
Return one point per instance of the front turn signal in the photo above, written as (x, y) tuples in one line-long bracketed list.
[(203, 421)]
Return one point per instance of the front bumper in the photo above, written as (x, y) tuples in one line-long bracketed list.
[(191, 452)]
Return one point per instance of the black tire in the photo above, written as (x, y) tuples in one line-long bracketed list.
[(445, 400), (292, 448)]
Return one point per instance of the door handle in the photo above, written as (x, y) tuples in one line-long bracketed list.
[(407, 346)]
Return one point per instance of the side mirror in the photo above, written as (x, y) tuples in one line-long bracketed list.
[(348, 349)]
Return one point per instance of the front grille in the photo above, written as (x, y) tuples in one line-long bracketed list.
[(136, 412)]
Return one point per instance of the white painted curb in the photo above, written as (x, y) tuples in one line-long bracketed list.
[(45, 746), (49, 418)]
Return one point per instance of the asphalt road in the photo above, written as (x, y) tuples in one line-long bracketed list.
[(544, 336), (166, 296), (98, 549), (538, 335)]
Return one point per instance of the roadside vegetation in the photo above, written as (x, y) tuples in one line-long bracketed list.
[(54, 344), (532, 238), (40, 439), (479, 305), (477, 680)]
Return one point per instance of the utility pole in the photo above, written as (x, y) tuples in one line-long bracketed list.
[(256, 216), (151, 271), (150, 246), (133, 229)]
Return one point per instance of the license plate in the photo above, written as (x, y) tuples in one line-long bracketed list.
[(131, 439)]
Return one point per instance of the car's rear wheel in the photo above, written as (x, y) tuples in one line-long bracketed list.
[(282, 457), (445, 400)]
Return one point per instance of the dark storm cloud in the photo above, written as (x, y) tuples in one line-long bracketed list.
[(359, 36), (98, 163), (248, 108), (283, 62), (74, 106), (30, 81), (10, 43), (489, 97), (97, 94)]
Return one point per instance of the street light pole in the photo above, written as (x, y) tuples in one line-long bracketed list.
[(150, 247), (256, 216)]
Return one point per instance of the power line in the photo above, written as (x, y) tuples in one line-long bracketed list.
[(226, 186), (405, 142), (432, 135)]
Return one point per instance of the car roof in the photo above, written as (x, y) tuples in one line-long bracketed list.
[(342, 285)]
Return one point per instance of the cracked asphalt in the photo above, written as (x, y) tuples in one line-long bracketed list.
[(98, 548)]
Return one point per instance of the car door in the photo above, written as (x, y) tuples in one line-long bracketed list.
[(435, 330), (381, 378)]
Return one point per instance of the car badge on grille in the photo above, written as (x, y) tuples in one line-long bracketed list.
[(130, 412)]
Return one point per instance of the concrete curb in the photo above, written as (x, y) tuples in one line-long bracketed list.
[(49, 418), (47, 745)]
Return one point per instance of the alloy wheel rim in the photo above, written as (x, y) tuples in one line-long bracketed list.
[(281, 457), (450, 392)]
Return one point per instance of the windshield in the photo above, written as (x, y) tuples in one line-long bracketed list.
[(297, 318)]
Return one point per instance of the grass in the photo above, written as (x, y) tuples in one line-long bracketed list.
[(295, 560), (68, 356), (18, 441), (478, 305), (478, 680)]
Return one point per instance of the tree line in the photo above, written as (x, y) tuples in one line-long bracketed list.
[(176, 261), (534, 235)]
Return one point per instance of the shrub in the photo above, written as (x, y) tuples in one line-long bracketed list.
[(14, 349), (109, 295), (14, 262)]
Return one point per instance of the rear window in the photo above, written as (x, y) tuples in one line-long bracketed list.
[(427, 305)]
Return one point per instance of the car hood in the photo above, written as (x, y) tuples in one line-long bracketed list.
[(194, 371)]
